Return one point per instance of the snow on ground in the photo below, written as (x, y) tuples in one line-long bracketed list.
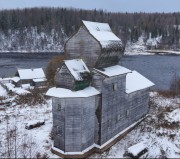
[(37, 139), (159, 132), (162, 138), (3, 92)]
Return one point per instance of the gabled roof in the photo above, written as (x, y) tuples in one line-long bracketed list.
[(66, 93), (113, 71), (135, 81), (102, 33), (31, 73), (76, 67)]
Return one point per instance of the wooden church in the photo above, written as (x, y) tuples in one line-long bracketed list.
[(95, 101)]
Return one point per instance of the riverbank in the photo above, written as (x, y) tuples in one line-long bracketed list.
[(29, 54), (153, 52)]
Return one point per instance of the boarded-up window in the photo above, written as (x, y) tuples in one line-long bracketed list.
[(59, 130), (127, 113), (108, 124), (59, 107), (119, 118), (114, 86)]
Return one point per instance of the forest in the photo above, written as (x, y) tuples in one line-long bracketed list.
[(46, 29)]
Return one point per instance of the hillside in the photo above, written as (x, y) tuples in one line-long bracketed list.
[(159, 131), (46, 29)]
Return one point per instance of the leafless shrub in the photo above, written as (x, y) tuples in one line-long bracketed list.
[(167, 93), (42, 156), (175, 84), (31, 99), (52, 67)]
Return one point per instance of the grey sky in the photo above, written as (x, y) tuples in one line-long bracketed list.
[(109, 5)]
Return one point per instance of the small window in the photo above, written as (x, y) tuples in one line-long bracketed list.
[(127, 113), (108, 124), (59, 107), (119, 117), (114, 86), (59, 130)]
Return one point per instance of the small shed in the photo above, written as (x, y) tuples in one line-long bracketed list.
[(35, 77), (96, 44), (73, 75)]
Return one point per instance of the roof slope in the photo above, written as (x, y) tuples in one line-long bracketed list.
[(31, 73), (113, 70), (135, 81), (66, 93), (102, 33), (76, 67)]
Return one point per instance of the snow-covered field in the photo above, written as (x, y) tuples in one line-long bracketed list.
[(159, 132)]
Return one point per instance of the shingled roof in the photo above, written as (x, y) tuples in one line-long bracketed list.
[(76, 67), (102, 33)]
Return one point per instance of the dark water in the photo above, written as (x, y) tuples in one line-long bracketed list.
[(8, 66), (158, 68)]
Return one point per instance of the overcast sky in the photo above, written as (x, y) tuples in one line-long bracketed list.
[(109, 5)]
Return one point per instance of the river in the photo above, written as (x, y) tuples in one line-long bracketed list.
[(158, 68)]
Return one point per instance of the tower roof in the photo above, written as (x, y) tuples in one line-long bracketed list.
[(77, 67), (103, 33)]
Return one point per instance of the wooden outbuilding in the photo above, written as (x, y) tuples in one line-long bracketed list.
[(34, 77)]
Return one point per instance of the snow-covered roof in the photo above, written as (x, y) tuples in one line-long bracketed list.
[(135, 81), (40, 80), (26, 86), (136, 149), (103, 33), (76, 67), (31, 73), (66, 93), (113, 70), (15, 79), (16, 90)]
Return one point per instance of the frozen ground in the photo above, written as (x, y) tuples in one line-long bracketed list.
[(159, 132)]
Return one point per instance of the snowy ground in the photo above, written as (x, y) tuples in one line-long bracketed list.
[(159, 132), (140, 47)]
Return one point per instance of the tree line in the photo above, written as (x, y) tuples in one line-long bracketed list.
[(65, 21)]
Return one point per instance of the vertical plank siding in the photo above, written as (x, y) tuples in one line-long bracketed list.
[(77, 119), (64, 78), (81, 122), (82, 45), (119, 110)]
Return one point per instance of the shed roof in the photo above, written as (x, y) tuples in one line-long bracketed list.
[(113, 70), (76, 67), (66, 93), (135, 81), (102, 33), (31, 73)]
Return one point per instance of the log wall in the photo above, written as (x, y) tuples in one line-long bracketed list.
[(119, 110), (82, 45), (64, 79), (77, 119)]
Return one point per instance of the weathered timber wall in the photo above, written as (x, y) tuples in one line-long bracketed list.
[(58, 123), (77, 123), (97, 80), (64, 79), (83, 45), (119, 110), (108, 58)]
